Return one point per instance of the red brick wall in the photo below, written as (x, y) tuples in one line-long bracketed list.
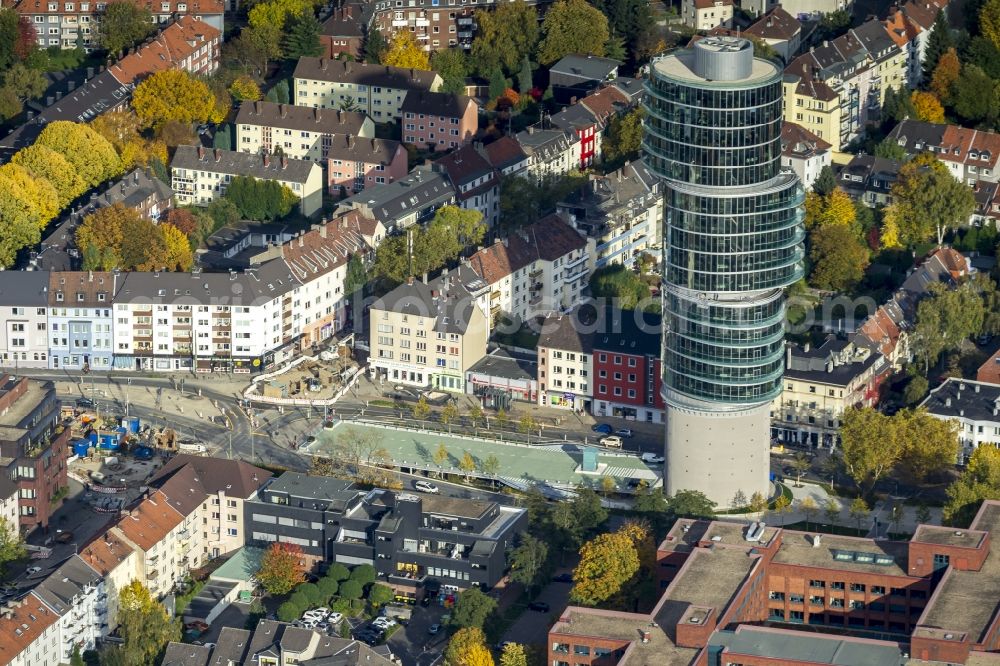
[(921, 557), (587, 641), (639, 384), (928, 649), (11, 396), (50, 476)]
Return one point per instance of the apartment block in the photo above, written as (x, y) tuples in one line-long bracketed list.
[(74, 591), (589, 118), (434, 25), (301, 133), (29, 633), (24, 303), (438, 121), (566, 361), (970, 405), (344, 30), (189, 44), (738, 594), (377, 90), (72, 24), (33, 453), (408, 538), (910, 26), (620, 214), (200, 176), (407, 201), (506, 156), (550, 152), (627, 372), (820, 384), (970, 155), (804, 153), (79, 319), (427, 334), (355, 164), (476, 182)]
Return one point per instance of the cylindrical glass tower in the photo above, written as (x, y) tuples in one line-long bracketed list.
[(732, 240)]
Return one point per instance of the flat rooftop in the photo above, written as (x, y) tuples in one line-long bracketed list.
[(710, 578), (948, 536), (453, 506), (25, 403), (659, 651), (887, 558), (811, 648), (679, 66), (966, 601)]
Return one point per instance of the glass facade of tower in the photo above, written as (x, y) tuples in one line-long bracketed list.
[(733, 229)]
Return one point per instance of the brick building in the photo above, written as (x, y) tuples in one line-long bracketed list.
[(627, 375), (736, 594), (33, 454), (438, 120)]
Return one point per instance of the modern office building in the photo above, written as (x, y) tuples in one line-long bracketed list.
[(733, 240)]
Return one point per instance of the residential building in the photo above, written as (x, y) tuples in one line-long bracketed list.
[(408, 538), (10, 502), (779, 30), (589, 118), (501, 377), (885, 332), (723, 272), (551, 152), (29, 633), (707, 14), (910, 26), (156, 531), (377, 90), (566, 361), (620, 214), (200, 176), (627, 372), (211, 494), (427, 334), (24, 336), (355, 164), (820, 384), (803, 10), (73, 590), (973, 406), (507, 157), (890, 61), (476, 182), (434, 25), (343, 31), (869, 179), (439, 121), (69, 25), (271, 643), (538, 269), (189, 44), (766, 581), (33, 453), (405, 202), (989, 371), (80, 319), (970, 155), (139, 190), (804, 153), (118, 563), (300, 132), (575, 76)]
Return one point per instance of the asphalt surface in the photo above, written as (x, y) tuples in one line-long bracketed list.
[(532, 627)]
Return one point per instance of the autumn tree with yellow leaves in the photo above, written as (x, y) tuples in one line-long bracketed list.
[(467, 647), (404, 51), (245, 89), (927, 106), (838, 253), (144, 626), (123, 130), (27, 204), (46, 164), (91, 155), (607, 563), (173, 95), (178, 249)]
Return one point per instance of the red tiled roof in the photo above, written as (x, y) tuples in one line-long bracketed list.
[(797, 139), (777, 24), (149, 522), (605, 102), (548, 239), (708, 4), (166, 51), (106, 552), (882, 331), (989, 371), (504, 152), (27, 620)]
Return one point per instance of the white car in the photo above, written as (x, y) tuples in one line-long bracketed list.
[(384, 622), (651, 458), (33, 570), (334, 618), (612, 441), (426, 487)]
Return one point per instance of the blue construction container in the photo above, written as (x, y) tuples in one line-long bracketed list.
[(80, 447)]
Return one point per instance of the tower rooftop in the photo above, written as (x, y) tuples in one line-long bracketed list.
[(722, 61)]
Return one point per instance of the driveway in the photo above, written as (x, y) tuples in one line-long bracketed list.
[(533, 627), (412, 644)]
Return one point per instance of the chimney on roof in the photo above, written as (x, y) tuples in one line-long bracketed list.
[(424, 279), (826, 44), (283, 110), (267, 159), (409, 281), (572, 100), (284, 162), (218, 154), (322, 64), (350, 141), (201, 152), (322, 230), (258, 107), (318, 114)]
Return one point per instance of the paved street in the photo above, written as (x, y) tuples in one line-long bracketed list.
[(532, 627)]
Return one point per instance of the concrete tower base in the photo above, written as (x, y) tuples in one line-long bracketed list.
[(719, 453)]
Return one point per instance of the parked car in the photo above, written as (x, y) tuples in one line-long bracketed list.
[(612, 441), (434, 629), (384, 622), (31, 571), (196, 625), (64, 536), (426, 487), (624, 432), (85, 403), (602, 428), (334, 618), (539, 606), (651, 458), (563, 578)]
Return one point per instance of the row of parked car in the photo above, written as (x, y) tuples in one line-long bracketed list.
[(322, 619)]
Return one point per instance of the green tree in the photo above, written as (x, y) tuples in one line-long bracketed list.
[(453, 66), (11, 544), (825, 182), (923, 514), (938, 42), (497, 83), (302, 33), (890, 150), (144, 625), (124, 24), (839, 258), (351, 589), (607, 563), (472, 609), (9, 20), (979, 481), (375, 47), (260, 199), (692, 504), (380, 594), (579, 517), (650, 500), (467, 647), (859, 511), (623, 138), (441, 455), (504, 36), (758, 503), (974, 95), (831, 511), (467, 464), (528, 561), (281, 568), (223, 137), (915, 390), (928, 201), (520, 202), (24, 82), (980, 52), (572, 26), (289, 612), (931, 444), (513, 654), (945, 318), (809, 508), (614, 48), (632, 20), (357, 276), (365, 574), (989, 21), (490, 466), (617, 282), (448, 414), (338, 572), (870, 445), (75, 658), (834, 24), (524, 82), (328, 587)]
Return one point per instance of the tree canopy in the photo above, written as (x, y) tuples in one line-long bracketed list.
[(144, 625), (91, 155), (404, 51), (504, 36), (467, 647), (979, 481), (124, 24), (623, 285), (945, 318), (607, 563), (173, 95), (260, 199), (281, 568), (839, 257), (472, 608), (572, 26), (927, 201), (442, 240)]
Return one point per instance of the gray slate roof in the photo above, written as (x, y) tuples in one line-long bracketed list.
[(343, 71), (421, 189), (964, 398), (445, 298), (585, 67), (24, 288), (242, 164), (251, 287), (435, 104), (67, 581), (831, 363)]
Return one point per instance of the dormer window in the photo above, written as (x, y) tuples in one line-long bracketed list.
[(59, 296), (80, 296)]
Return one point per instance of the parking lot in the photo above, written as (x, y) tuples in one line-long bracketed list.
[(413, 644), (532, 627)]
